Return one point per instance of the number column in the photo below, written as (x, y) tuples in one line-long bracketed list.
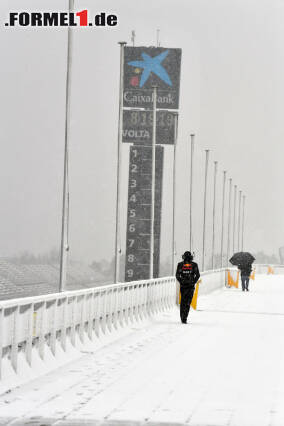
[(137, 264)]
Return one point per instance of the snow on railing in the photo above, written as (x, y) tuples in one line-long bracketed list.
[(50, 320), (71, 318)]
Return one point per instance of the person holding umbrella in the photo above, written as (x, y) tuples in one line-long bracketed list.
[(243, 260), (245, 275)]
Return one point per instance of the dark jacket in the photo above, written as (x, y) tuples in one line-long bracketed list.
[(187, 273), (245, 270)]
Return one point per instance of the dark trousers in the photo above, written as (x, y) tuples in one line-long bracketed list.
[(186, 298), (245, 282)]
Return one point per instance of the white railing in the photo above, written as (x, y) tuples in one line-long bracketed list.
[(212, 280), (51, 319), (46, 322), (269, 268)]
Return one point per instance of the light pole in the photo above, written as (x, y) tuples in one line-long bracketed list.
[(229, 221), (152, 240), (64, 248), (223, 215), (214, 212), (234, 216), (243, 224), (192, 137), (119, 140), (174, 192), (239, 219), (204, 212)]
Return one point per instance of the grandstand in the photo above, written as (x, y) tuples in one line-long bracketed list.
[(23, 280)]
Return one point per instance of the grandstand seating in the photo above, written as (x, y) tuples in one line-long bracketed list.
[(23, 280), (48, 273)]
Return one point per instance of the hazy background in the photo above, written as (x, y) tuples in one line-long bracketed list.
[(232, 97)]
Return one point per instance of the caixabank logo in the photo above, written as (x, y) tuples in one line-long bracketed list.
[(61, 19), (145, 67)]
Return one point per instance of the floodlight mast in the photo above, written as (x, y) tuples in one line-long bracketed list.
[(64, 248)]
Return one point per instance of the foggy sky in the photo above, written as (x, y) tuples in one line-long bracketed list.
[(232, 97)]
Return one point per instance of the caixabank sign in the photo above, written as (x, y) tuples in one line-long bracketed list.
[(145, 67)]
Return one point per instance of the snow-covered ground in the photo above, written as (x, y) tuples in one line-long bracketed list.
[(226, 367)]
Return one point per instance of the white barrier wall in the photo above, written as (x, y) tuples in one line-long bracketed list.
[(265, 269), (212, 280), (59, 319), (52, 319)]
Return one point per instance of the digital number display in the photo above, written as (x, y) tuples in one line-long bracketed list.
[(138, 127)]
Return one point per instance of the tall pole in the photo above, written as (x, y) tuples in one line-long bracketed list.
[(204, 207), (158, 38), (229, 222), (133, 37), (119, 140), (64, 223), (174, 193), (243, 224), (214, 212), (192, 137), (223, 216), (152, 240), (234, 217), (239, 219)]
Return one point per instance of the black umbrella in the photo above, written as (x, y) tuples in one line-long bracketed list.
[(242, 258)]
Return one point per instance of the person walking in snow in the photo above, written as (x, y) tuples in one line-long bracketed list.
[(245, 269), (187, 275)]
